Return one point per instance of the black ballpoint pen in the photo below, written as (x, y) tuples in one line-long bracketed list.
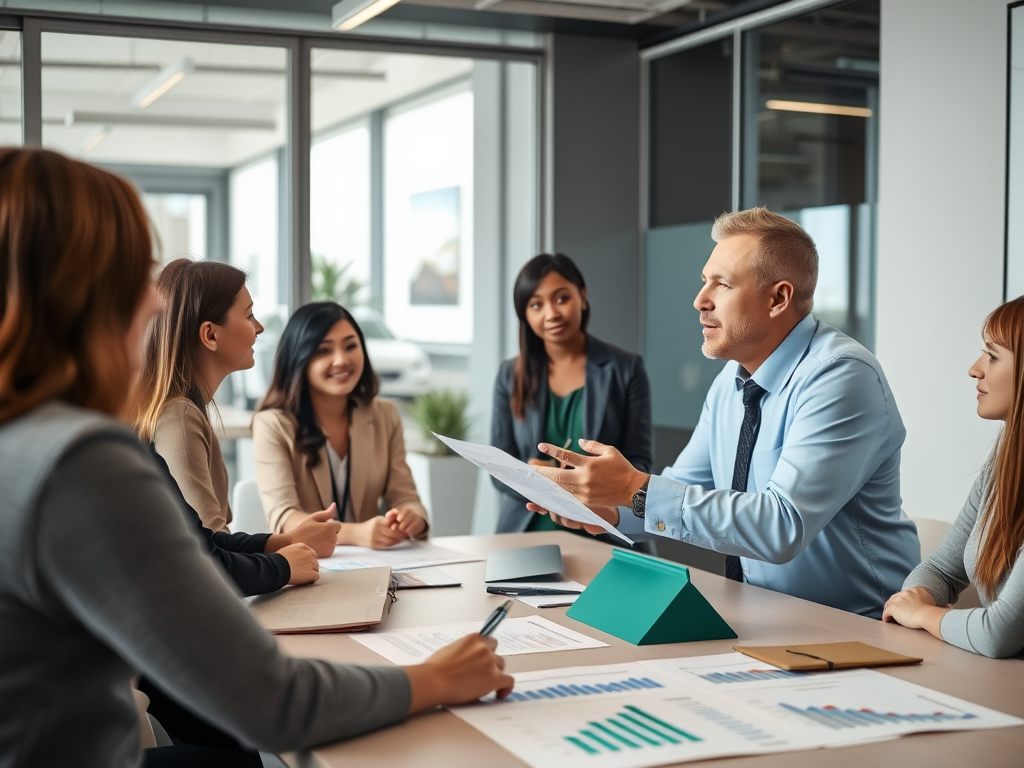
[(495, 619)]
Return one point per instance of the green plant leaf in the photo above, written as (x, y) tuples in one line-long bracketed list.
[(330, 282), (445, 412)]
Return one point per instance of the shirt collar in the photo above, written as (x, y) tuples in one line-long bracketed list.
[(775, 372)]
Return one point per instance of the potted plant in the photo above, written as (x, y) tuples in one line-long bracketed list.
[(330, 282), (446, 482)]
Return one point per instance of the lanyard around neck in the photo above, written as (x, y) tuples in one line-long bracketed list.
[(340, 507)]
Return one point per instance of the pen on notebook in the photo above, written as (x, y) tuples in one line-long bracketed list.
[(495, 619)]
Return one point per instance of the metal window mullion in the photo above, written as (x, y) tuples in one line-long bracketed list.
[(737, 116), (297, 154), (31, 83), (377, 217), (770, 15)]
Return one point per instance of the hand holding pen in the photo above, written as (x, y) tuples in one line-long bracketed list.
[(462, 671), (495, 619)]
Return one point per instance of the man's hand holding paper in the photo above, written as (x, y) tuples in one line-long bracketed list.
[(533, 483), (603, 481)]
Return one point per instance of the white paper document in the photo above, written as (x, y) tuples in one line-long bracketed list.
[(677, 710), (544, 601), (401, 557), (526, 480), (529, 634)]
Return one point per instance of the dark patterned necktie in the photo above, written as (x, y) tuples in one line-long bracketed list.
[(752, 394)]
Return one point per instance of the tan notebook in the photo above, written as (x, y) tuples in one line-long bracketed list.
[(805, 658), (339, 601)]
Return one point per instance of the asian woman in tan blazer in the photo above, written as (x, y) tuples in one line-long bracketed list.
[(321, 430)]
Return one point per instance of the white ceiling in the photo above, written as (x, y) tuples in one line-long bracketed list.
[(101, 75)]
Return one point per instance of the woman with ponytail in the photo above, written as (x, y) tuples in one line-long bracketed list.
[(984, 544)]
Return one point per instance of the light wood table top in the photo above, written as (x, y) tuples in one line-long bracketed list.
[(758, 616)]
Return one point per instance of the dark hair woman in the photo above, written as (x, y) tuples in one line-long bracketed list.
[(565, 384), (322, 437), (983, 547), (100, 576)]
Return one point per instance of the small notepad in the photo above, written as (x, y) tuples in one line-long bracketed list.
[(821, 656)]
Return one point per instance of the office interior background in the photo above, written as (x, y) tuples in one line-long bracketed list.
[(412, 165)]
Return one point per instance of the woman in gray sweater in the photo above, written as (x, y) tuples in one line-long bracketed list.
[(983, 546), (100, 576)]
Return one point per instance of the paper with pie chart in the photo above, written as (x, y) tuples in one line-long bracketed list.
[(529, 482)]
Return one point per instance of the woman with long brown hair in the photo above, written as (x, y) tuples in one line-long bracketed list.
[(984, 545), (100, 576)]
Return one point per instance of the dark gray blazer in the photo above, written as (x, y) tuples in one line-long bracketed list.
[(616, 411)]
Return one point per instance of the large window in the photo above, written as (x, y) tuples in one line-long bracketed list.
[(180, 218), (175, 117), (339, 216), (428, 206), (421, 166)]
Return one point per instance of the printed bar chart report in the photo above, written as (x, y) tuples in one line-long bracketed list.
[(838, 718), (750, 675), (596, 689), (669, 711)]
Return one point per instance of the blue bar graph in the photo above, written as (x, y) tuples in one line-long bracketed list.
[(751, 675), (630, 729), (595, 689), (834, 717)]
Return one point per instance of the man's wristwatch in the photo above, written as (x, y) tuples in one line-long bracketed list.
[(639, 503)]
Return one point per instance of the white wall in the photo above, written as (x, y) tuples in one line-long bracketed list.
[(940, 232)]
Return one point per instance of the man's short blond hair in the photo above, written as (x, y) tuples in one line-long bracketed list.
[(786, 252)]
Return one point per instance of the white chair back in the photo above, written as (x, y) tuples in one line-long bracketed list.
[(247, 509), (931, 533)]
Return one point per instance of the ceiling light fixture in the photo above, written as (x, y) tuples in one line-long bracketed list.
[(817, 108), (78, 117), (166, 78), (349, 14), (96, 137)]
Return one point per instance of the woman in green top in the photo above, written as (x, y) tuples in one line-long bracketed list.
[(565, 384)]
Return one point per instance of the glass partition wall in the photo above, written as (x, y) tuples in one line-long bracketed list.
[(783, 115)]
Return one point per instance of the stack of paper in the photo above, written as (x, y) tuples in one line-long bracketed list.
[(401, 557), (530, 634)]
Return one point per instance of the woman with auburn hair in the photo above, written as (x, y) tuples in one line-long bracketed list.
[(323, 438), (983, 547), (566, 384), (100, 576)]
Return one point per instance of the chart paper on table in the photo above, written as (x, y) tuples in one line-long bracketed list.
[(677, 710), (833, 708), (529, 634), (529, 482), (620, 716), (401, 557)]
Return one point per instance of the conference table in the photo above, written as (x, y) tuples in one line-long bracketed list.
[(438, 739)]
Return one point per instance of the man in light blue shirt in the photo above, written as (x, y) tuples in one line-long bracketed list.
[(804, 428)]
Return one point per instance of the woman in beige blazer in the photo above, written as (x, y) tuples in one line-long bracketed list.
[(321, 437)]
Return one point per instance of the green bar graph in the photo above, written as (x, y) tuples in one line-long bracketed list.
[(631, 729)]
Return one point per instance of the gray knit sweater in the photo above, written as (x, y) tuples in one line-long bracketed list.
[(100, 578), (997, 629)]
